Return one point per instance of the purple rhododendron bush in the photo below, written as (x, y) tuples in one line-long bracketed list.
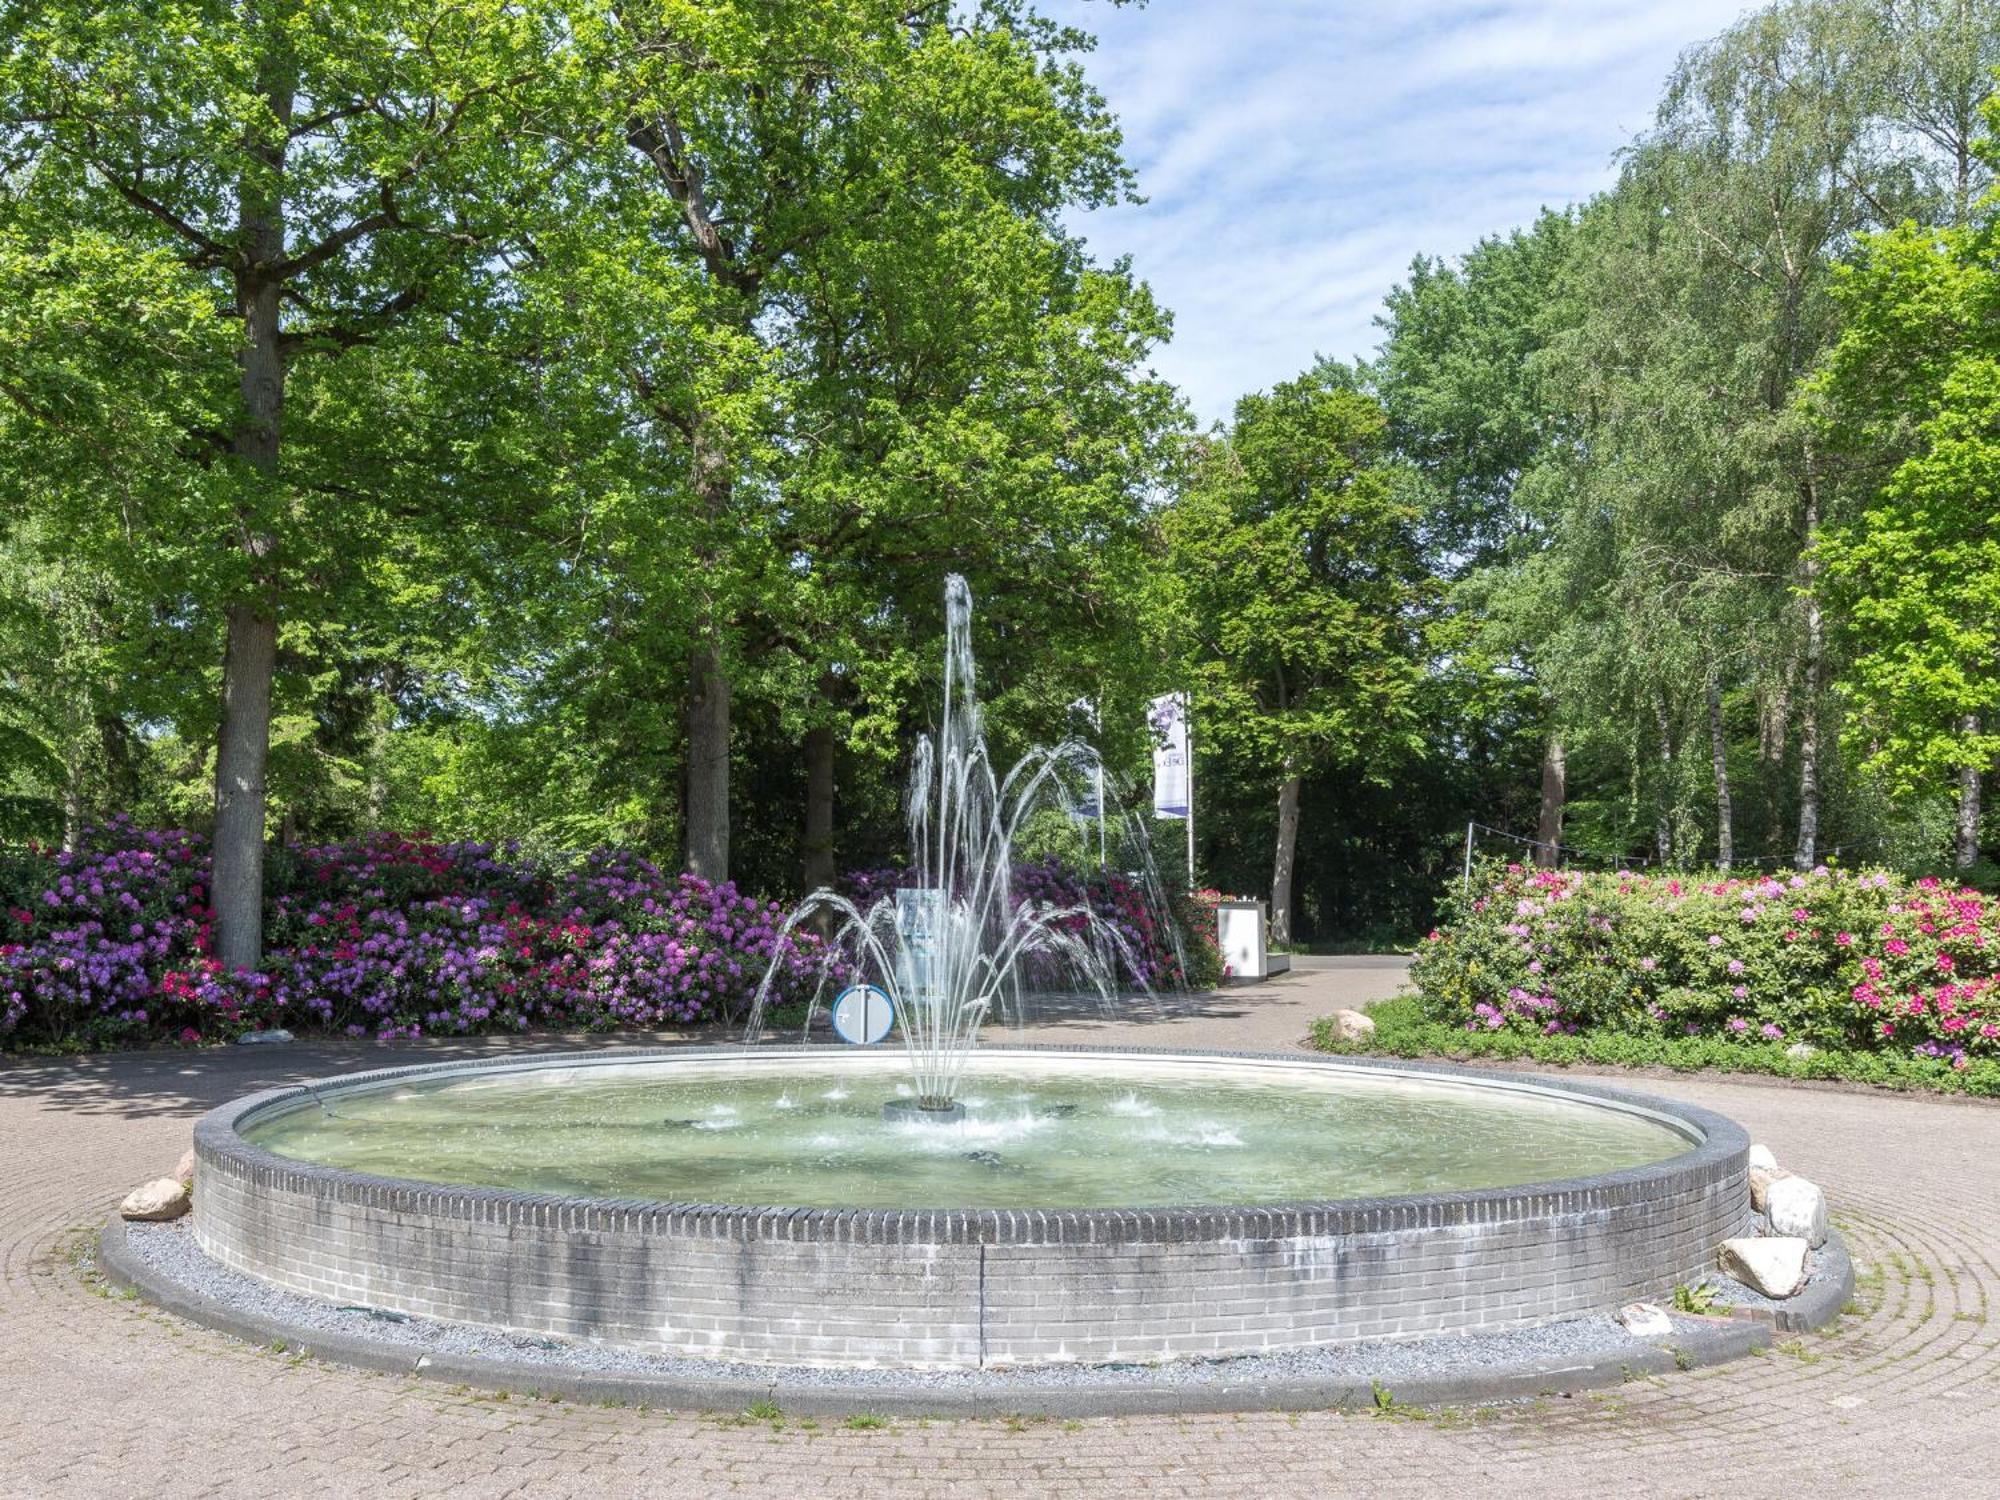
[(1847, 962), (383, 936)]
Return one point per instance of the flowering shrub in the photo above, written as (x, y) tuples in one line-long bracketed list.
[(1163, 949), (1836, 959), (382, 937)]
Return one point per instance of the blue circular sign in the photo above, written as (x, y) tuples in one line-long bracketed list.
[(863, 1014)]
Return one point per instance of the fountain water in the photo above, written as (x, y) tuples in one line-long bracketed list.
[(951, 947)]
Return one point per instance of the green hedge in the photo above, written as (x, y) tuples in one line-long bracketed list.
[(1403, 1030)]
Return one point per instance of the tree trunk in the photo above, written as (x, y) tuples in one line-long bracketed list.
[(707, 773), (708, 765), (72, 808), (1807, 852), (1555, 781), (250, 650), (1965, 852), (1663, 815), (1718, 744), (1281, 871), (817, 862), (248, 661)]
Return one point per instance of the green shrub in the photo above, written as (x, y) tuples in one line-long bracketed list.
[(1861, 962), (1403, 1030)]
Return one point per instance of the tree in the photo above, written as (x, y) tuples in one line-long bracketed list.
[(1916, 373), (869, 197), (1301, 589), (324, 180), (1707, 303), (1461, 376)]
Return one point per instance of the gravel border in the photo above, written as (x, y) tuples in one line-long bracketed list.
[(162, 1263)]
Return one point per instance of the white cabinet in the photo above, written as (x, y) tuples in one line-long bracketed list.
[(1240, 931)]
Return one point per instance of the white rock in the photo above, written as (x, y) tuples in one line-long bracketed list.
[(1645, 1320), (1798, 1208), (1352, 1026), (255, 1038), (1775, 1267), (163, 1198), (1760, 1187), (1760, 1156), (1800, 1051), (185, 1171)]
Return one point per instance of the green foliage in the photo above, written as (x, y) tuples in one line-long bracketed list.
[(539, 287), (1300, 586), (1297, 593), (1402, 1029), (615, 332), (1915, 380), (1461, 376), (1698, 1299)]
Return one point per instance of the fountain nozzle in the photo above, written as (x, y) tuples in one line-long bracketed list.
[(927, 1111)]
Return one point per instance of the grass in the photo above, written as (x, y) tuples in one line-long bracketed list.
[(1403, 1030)]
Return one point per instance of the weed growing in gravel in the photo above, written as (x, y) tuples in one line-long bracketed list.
[(1699, 1298)]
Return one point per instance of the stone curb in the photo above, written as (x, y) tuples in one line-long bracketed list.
[(1823, 1300), (1691, 1348)]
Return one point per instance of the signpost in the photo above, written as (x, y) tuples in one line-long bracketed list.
[(1173, 766)]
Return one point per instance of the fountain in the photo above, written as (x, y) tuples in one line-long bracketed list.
[(949, 948), (964, 1206)]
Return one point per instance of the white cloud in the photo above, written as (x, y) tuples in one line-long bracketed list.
[(1296, 154)]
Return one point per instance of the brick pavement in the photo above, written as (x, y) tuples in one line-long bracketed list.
[(104, 1397)]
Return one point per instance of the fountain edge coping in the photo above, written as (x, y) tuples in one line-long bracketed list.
[(1722, 1151)]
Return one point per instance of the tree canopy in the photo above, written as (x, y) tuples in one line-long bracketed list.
[(553, 420)]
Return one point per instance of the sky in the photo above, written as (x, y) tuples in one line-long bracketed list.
[(1296, 154)]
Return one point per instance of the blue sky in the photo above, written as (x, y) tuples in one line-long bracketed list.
[(1297, 153)]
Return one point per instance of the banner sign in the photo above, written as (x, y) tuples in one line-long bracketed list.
[(1168, 719)]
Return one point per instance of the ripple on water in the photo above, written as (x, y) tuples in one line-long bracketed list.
[(1195, 1133), (972, 1131)]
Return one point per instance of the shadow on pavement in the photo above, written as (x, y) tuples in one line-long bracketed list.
[(171, 1082)]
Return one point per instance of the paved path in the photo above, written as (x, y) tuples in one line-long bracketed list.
[(104, 1397)]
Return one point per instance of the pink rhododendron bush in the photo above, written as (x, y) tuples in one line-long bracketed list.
[(1842, 961)]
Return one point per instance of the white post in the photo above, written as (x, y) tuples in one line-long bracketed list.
[(1467, 881), (1188, 711)]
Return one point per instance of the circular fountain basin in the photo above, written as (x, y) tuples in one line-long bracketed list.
[(1093, 1206)]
